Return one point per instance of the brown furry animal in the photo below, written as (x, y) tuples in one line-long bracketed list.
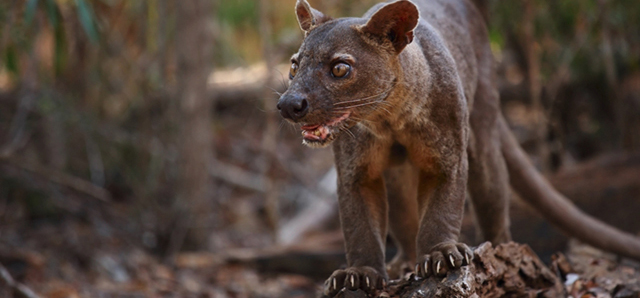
[(406, 95)]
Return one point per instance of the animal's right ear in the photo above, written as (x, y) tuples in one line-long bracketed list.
[(308, 17), (393, 23)]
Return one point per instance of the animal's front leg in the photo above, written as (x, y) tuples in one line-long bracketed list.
[(441, 199), (363, 216)]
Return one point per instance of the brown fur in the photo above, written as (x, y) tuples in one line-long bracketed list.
[(419, 123)]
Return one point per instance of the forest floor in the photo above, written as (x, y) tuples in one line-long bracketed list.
[(74, 258)]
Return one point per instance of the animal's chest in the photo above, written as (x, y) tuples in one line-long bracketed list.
[(410, 141)]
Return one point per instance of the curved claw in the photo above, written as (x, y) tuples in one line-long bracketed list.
[(366, 279), (444, 257)]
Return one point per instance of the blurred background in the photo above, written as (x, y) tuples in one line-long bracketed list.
[(141, 153)]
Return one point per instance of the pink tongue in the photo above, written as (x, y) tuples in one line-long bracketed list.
[(309, 135)]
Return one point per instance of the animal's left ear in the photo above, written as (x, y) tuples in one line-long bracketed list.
[(308, 17), (394, 22)]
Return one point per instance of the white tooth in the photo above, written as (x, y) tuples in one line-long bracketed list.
[(426, 268), (466, 258), (366, 280), (438, 267), (353, 282), (334, 284), (452, 261)]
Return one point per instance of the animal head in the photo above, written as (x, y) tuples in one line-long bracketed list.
[(345, 69)]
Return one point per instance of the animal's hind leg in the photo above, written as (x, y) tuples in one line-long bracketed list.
[(402, 185), (488, 177)]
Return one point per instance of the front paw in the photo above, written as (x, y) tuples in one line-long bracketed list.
[(444, 257), (353, 278)]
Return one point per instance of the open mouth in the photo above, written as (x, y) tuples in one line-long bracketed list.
[(319, 135)]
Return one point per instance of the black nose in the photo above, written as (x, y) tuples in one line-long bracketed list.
[(293, 107)]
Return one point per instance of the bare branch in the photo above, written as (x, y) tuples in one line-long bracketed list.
[(60, 178), (20, 288)]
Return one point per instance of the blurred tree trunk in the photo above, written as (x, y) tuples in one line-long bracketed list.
[(269, 137), (532, 53), (483, 7), (193, 49), (624, 127)]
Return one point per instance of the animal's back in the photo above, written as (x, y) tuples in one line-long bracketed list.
[(461, 27)]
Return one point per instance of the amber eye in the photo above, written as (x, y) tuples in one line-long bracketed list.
[(340, 70), (293, 70)]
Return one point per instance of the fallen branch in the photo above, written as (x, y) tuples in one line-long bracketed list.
[(246, 84), (60, 178), (509, 270), (321, 208), (19, 288), (238, 176)]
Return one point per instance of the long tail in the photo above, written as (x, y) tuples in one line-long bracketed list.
[(556, 208)]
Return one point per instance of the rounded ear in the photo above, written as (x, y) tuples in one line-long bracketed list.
[(308, 17), (394, 22)]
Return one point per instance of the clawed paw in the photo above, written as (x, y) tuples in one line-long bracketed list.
[(444, 257), (353, 278)]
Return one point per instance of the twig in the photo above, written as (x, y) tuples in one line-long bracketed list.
[(96, 165), (8, 24), (59, 178), (322, 207), (618, 104), (20, 288), (237, 176), (532, 51), (17, 133)]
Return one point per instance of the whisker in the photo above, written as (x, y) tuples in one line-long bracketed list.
[(386, 110), (346, 130), (283, 81), (270, 110), (358, 105), (383, 93), (354, 119), (358, 100), (275, 91)]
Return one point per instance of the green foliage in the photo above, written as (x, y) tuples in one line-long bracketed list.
[(87, 19), (11, 60), (238, 13), (570, 31), (60, 53), (30, 11), (53, 12), (23, 30)]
